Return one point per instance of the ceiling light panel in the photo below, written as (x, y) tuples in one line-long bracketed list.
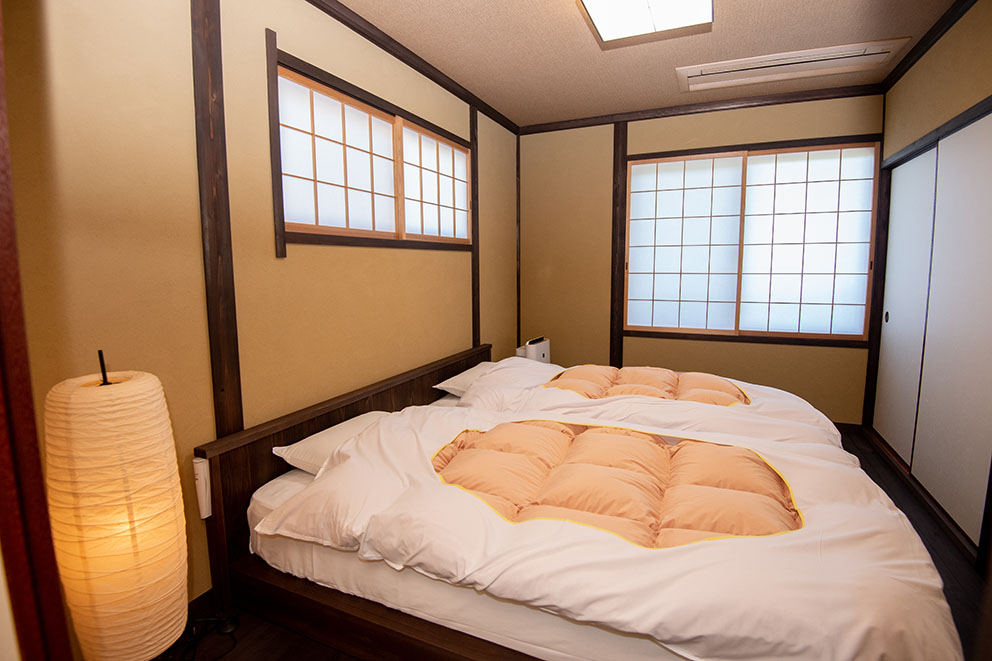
[(622, 19)]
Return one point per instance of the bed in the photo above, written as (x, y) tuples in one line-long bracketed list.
[(245, 493)]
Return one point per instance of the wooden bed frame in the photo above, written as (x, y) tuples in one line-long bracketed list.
[(243, 462)]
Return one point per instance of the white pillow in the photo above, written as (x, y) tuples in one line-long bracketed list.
[(310, 453), (459, 383)]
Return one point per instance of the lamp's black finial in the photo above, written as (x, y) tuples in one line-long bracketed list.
[(103, 368)]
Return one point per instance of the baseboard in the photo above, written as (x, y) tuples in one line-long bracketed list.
[(953, 530)]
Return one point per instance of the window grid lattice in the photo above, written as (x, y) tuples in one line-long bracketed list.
[(349, 168), (435, 176), (800, 240)]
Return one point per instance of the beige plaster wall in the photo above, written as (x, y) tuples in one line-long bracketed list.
[(566, 183), (831, 378), (327, 319), (498, 237), (789, 121), (955, 74), (107, 208)]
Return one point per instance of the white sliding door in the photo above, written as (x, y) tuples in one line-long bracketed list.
[(954, 428), (907, 272)]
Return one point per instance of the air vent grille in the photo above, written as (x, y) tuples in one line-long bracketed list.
[(785, 66)]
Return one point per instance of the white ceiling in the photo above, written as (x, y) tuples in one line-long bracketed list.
[(536, 61)]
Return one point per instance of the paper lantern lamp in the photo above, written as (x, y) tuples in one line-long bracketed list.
[(117, 514)]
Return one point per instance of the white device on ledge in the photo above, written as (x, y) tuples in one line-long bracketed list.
[(201, 474), (538, 348)]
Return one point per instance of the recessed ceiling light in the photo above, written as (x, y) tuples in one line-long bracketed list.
[(616, 20)]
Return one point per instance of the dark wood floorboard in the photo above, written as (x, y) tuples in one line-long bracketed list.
[(260, 640), (255, 639), (963, 587)]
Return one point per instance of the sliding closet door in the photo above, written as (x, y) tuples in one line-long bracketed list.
[(907, 272), (954, 429)]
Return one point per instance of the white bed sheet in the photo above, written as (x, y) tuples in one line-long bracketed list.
[(523, 628)]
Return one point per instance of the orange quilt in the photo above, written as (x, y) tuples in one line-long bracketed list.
[(651, 490), (597, 381)]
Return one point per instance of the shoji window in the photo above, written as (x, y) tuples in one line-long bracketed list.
[(435, 177), (345, 166), (684, 236), (752, 243)]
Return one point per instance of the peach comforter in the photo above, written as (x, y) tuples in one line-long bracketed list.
[(598, 381), (853, 582), (703, 403), (652, 490)]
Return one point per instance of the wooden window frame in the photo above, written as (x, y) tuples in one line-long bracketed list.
[(281, 64), (736, 334)]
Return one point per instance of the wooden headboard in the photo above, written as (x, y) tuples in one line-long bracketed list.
[(242, 462)]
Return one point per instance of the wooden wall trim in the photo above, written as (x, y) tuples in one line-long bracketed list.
[(761, 146), (275, 142), (927, 41), (619, 242), (710, 106), (749, 339), (518, 241), (25, 535), (877, 294), (476, 277), (215, 216), (314, 238), (353, 21)]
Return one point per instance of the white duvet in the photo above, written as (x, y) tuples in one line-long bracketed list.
[(517, 384), (854, 583)]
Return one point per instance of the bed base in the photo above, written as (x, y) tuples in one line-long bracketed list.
[(243, 462), (356, 626)]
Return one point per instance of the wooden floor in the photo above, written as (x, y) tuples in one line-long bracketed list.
[(253, 640), (260, 640)]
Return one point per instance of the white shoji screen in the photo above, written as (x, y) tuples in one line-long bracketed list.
[(807, 240), (435, 186), (337, 160), (683, 243), (752, 242)]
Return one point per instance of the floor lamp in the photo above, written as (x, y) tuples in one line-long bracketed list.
[(117, 513)]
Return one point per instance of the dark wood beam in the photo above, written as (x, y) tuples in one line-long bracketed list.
[(518, 241), (877, 294), (215, 216), (619, 242), (710, 106), (476, 278)]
